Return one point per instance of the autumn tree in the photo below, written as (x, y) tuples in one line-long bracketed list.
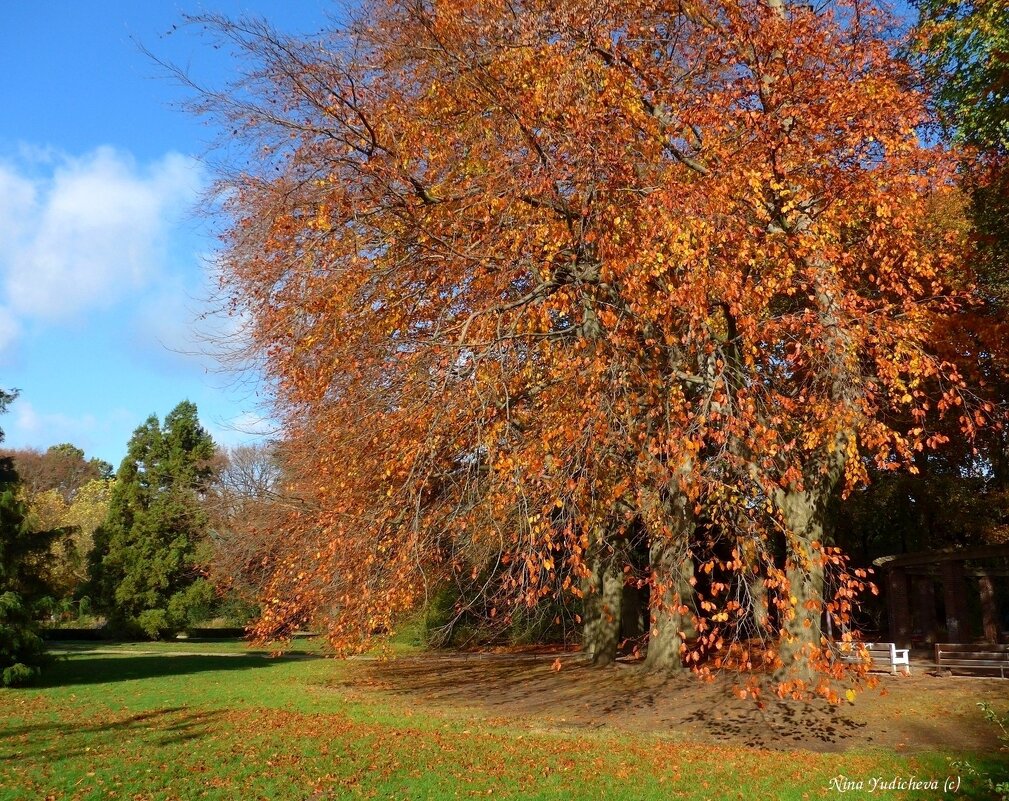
[(244, 503), (964, 46), (61, 468), (63, 490), (962, 495), (564, 300), (145, 565)]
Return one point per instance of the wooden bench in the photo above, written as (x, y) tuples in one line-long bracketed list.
[(885, 656), (973, 657)]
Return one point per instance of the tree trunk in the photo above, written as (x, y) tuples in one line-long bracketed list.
[(604, 599), (672, 569), (802, 513), (758, 600)]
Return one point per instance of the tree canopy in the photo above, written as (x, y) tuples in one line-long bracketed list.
[(64, 491), (965, 44), (964, 47), (562, 301)]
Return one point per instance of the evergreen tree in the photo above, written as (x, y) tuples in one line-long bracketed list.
[(22, 554), (144, 568)]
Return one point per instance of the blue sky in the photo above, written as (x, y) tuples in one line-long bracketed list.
[(102, 271)]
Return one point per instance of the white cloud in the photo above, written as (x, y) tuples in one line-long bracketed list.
[(163, 321), (18, 200), (183, 321), (242, 429), (252, 424), (89, 231), (30, 425), (25, 426), (9, 328)]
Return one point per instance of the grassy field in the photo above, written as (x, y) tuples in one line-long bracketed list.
[(210, 720)]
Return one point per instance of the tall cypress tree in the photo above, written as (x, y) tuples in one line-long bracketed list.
[(145, 565)]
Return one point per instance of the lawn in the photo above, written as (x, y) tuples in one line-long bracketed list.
[(209, 720)]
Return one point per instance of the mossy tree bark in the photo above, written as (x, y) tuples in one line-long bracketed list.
[(803, 513), (672, 569), (603, 607), (758, 601)]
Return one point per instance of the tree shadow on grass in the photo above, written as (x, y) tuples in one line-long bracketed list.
[(65, 739), (103, 669)]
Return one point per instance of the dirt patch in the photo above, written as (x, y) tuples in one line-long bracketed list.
[(903, 714)]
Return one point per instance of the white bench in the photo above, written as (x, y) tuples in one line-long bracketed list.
[(885, 656)]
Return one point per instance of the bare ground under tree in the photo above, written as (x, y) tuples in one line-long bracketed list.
[(913, 713)]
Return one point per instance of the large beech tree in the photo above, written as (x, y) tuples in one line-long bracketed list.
[(563, 300)]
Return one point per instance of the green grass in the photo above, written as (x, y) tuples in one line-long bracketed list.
[(298, 647), (138, 725)]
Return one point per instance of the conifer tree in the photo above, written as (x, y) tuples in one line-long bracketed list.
[(22, 551), (144, 569)]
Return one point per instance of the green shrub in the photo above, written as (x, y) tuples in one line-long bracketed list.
[(1001, 724)]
